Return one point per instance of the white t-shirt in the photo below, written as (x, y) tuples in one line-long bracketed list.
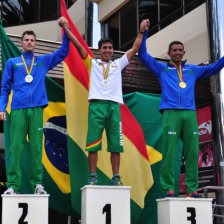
[(97, 90)]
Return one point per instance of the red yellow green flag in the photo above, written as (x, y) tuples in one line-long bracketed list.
[(135, 168)]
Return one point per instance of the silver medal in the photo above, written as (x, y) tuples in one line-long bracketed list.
[(29, 78), (105, 83)]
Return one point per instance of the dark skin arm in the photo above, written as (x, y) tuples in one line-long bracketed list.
[(136, 45), (64, 24)]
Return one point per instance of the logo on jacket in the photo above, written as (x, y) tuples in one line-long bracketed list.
[(172, 133)]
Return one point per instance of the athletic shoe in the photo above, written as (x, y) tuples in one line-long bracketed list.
[(171, 194), (93, 179), (193, 195), (39, 189), (10, 191), (116, 180)]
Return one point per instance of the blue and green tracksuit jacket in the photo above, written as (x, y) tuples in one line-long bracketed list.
[(32, 94), (174, 97)]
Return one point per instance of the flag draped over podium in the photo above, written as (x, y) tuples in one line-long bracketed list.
[(135, 168)]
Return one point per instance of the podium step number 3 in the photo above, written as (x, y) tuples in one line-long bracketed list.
[(184, 211), (25, 209), (105, 204)]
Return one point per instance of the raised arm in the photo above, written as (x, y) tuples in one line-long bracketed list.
[(64, 24), (203, 72), (151, 63), (135, 47)]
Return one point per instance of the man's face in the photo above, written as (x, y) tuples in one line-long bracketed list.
[(176, 53), (28, 43), (106, 51)]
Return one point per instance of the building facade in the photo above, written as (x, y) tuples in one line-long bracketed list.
[(183, 20)]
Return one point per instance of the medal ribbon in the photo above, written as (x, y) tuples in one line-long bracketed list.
[(179, 71), (105, 73), (31, 66)]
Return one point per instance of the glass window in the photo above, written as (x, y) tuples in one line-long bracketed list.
[(148, 9), (69, 3), (11, 13), (192, 4), (170, 11), (168, 7), (111, 29), (128, 24), (48, 10), (30, 11), (171, 18), (16, 12)]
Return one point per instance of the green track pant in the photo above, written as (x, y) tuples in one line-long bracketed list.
[(179, 124), (23, 122)]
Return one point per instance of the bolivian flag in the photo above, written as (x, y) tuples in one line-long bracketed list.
[(135, 168)]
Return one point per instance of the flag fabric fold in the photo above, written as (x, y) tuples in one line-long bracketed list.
[(135, 168)]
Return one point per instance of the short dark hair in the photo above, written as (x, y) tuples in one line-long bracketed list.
[(175, 42), (28, 32), (105, 40)]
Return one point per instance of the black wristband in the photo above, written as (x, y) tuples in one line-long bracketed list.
[(141, 32)]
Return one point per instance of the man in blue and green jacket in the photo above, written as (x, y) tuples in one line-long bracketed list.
[(26, 74), (177, 80)]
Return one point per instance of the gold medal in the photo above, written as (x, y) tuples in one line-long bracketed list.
[(182, 85)]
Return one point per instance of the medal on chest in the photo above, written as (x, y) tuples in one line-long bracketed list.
[(182, 84), (105, 82), (28, 78)]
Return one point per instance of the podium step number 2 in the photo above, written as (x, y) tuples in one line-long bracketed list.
[(25, 209)]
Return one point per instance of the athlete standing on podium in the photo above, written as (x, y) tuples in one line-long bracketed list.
[(105, 96), (177, 80), (27, 75)]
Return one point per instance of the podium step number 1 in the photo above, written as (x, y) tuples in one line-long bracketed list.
[(105, 204), (25, 209)]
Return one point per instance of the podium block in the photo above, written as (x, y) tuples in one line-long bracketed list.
[(184, 211), (25, 208), (105, 204)]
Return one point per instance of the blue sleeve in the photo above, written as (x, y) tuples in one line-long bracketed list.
[(59, 55), (203, 72), (7, 80), (151, 63)]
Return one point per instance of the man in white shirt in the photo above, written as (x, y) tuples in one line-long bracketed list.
[(105, 96)]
